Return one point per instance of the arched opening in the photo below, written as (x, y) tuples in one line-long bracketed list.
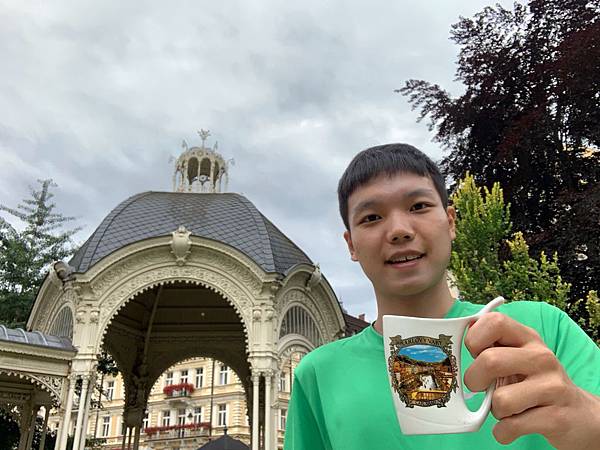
[(161, 326), (189, 404), (192, 170), (205, 167), (298, 320)]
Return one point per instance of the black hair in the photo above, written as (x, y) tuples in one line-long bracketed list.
[(388, 159)]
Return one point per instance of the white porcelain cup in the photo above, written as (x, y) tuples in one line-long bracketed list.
[(423, 357)]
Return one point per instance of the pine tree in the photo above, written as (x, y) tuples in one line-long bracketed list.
[(26, 255)]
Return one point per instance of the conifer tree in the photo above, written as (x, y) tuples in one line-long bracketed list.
[(488, 260), (25, 255)]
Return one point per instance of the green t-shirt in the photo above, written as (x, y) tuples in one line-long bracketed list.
[(341, 397)]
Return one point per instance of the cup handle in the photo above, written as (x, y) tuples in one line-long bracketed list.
[(484, 409)]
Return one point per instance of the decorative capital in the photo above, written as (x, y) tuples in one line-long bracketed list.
[(94, 316), (80, 316), (181, 244)]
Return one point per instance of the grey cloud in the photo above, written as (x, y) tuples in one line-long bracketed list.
[(98, 95)]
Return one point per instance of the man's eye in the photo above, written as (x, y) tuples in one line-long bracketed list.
[(370, 218), (419, 206)]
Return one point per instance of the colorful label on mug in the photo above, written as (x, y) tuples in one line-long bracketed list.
[(423, 370)]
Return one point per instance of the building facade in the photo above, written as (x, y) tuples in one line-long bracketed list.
[(190, 404)]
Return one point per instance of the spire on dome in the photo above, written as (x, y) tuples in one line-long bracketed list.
[(201, 169)]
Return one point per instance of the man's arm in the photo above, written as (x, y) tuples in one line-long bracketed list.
[(535, 393), (301, 430)]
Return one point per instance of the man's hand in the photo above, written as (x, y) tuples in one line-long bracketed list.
[(534, 393)]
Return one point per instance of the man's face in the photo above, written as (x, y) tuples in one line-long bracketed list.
[(401, 234)]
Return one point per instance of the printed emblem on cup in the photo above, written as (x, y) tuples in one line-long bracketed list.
[(423, 370)]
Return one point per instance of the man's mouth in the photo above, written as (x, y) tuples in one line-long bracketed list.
[(404, 259)]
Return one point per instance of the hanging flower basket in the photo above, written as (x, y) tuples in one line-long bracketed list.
[(178, 390)]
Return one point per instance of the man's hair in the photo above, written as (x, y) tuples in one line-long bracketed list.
[(389, 160)]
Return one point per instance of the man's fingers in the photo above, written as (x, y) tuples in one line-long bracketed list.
[(498, 362), (546, 420), (516, 398), (496, 328)]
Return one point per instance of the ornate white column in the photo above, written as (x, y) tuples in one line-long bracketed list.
[(86, 412), (61, 443), (255, 411), (268, 418), (45, 426), (80, 412)]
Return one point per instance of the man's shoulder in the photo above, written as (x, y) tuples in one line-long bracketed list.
[(521, 310), (330, 354)]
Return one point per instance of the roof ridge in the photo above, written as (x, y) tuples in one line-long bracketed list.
[(285, 236), (260, 224)]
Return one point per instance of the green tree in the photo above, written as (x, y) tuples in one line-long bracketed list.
[(489, 260), (26, 255), (529, 117)]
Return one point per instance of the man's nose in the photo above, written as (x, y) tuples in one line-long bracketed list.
[(401, 229)]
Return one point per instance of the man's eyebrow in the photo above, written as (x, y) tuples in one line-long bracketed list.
[(373, 202)]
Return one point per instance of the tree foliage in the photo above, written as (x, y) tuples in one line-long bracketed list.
[(26, 255), (488, 259), (529, 118)]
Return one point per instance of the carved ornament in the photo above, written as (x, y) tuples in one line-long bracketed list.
[(181, 244)]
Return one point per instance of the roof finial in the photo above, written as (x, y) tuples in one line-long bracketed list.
[(201, 169), (203, 135)]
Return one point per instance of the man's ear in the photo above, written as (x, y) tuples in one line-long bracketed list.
[(451, 213), (348, 240)]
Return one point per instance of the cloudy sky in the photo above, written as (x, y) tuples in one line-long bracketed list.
[(98, 95)]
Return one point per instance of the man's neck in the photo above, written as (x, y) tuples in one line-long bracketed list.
[(433, 304)]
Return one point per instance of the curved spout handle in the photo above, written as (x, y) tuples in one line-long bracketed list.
[(488, 397), (491, 305)]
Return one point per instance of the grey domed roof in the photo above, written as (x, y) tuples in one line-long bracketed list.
[(228, 218)]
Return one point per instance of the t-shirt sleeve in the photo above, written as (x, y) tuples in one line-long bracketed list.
[(302, 430), (577, 352)]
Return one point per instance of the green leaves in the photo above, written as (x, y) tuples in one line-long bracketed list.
[(487, 260)]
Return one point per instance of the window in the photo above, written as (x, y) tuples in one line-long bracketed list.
[(282, 417), (183, 377), (110, 390), (222, 418), (198, 414), (181, 422), (166, 418), (282, 382), (146, 422), (169, 379), (199, 377), (105, 426), (224, 374)]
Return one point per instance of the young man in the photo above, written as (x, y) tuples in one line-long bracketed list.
[(393, 202)]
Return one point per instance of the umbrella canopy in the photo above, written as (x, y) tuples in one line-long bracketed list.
[(225, 442)]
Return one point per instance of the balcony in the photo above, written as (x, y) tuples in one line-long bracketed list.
[(169, 432), (178, 390)]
